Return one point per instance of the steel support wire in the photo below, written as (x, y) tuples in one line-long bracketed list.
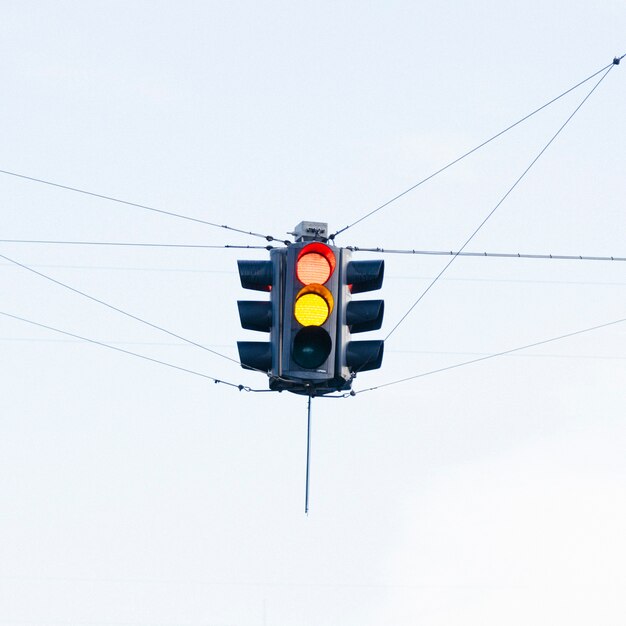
[(137, 244), (615, 61), (493, 255), (491, 356), (378, 249), (118, 310), (139, 206), (504, 197), (141, 356)]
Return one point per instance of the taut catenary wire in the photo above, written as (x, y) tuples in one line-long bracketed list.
[(615, 61), (378, 250), (504, 197), (130, 315), (491, 356), (134, 244), (140, 206), (141, 356), (493, 255), (117, 309)]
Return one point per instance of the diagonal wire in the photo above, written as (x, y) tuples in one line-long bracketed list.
[(615, 61), (141, 356), (135, 317), (130, 315), (491, 356), (118, 310), (504, 197), (139, 206)]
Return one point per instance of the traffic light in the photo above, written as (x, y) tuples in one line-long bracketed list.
[(309, 324), (257, 314), (360, 316), (311, 316)]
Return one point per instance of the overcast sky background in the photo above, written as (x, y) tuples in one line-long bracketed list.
[(132, 493)]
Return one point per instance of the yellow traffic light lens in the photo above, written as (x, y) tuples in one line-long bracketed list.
[(313, 305), (311, 310), (316, 263)]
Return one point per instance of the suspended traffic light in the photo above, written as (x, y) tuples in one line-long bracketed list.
[(309, 313), (311, 316)]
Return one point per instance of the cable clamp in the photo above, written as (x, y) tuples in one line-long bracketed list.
[(616, 60)]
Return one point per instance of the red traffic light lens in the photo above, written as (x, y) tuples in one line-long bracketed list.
[(315, 264)]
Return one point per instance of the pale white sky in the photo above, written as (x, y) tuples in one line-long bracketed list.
[(135, 494)]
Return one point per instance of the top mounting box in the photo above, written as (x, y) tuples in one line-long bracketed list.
[(310, 231)]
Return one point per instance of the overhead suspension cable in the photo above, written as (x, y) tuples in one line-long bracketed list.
[(141, 356), (140, 206), (495, 208), (615, 61), (134, 244), (489, 356), (130, 315), (117, 309), (501, 255), (378, 249)]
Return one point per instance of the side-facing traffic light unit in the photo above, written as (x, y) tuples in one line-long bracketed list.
[(256, 315), (311, 315), (360, 316)]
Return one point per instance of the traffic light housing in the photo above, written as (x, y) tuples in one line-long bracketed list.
[(257, 314), (309, 322), (360, 316), (311, 317)]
